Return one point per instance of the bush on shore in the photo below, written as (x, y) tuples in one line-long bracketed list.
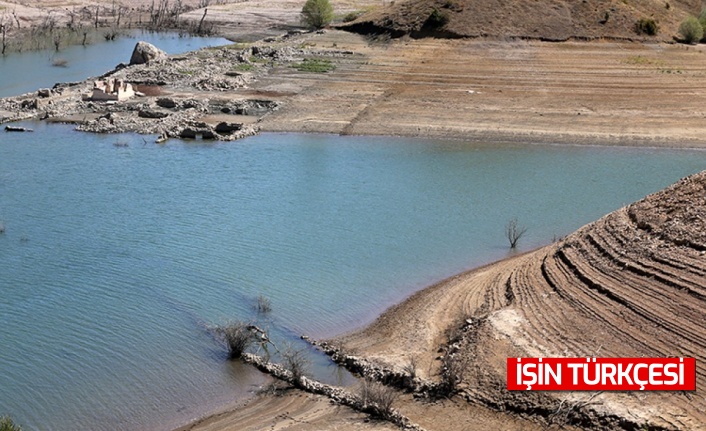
[(317, 13), (691, 30)]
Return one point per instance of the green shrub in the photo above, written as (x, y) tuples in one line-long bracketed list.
[(437, 19), (691, 30), (646, 26), (7, 424), (317, 13)]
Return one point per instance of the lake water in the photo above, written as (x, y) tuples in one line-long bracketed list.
[(116, 256), (24, 72)]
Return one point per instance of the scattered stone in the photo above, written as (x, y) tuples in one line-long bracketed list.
[(147, 113), (145, 52)]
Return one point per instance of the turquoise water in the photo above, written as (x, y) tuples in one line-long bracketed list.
[(115, 257), (27, 71)]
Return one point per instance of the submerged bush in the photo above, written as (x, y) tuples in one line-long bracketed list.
[(263, 304), (691, 30), (236, 336)]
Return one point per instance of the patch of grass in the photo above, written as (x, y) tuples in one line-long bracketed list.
[(243, 67), (639, 60), (185, 72), (256, 59), (315, 65)]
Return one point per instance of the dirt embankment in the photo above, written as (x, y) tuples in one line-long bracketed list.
[(549, 20)]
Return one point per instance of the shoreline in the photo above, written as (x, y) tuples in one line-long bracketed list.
[(369, 93)]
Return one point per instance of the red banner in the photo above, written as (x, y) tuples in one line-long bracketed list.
[(601, 374)]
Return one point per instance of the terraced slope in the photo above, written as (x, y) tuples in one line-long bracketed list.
[(630, 284)]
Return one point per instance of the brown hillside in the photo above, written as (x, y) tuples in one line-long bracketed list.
[(552, 20), (631, 284)]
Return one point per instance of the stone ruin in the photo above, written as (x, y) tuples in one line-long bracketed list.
[(112, 89)]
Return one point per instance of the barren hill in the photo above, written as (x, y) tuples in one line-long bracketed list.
[(552, 20), (631, 284)]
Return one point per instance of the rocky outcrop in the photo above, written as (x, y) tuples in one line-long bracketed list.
[(145, 52)]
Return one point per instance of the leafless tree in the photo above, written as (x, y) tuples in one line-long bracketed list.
[(514, 232)]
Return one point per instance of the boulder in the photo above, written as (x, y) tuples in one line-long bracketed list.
[(166, 102), (146, 52), (44, 92), (148, 113), (188, 134), (228, 128)]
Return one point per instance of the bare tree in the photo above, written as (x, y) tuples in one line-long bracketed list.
[(514, 232), (200, 29), (57, 40), (4, 26)]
